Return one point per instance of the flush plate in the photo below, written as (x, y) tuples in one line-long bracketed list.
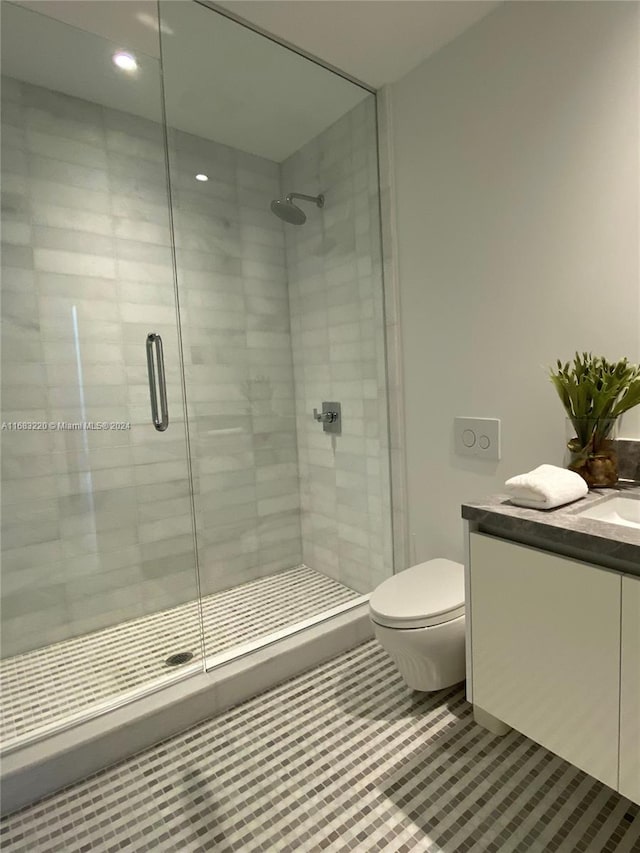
[(478, 437)]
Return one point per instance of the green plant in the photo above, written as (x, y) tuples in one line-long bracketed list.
[(594, 392)]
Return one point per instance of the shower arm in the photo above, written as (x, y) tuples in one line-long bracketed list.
[(318, 199)]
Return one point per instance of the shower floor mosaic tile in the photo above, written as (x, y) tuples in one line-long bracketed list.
[(342, 758), (50, 683)]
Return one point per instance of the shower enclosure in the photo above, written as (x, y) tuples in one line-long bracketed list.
[(191, 265)]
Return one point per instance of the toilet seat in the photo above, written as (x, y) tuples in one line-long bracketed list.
[(425, 595)]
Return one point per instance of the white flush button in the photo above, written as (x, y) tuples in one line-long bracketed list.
[(478, 437), (468, 438)]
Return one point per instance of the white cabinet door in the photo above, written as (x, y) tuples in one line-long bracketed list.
[(546, 650), (630, 690)]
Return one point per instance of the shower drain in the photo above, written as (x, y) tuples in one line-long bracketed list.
[(179, 658)]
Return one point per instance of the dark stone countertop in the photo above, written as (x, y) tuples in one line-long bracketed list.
[(563, 529)]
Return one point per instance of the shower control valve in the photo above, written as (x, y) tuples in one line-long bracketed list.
[(325, 417), (330, 417)]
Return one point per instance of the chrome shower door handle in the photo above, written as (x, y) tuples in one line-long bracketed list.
[(157, 388)]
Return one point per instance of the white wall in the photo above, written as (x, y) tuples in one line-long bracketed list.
[(516, 161)]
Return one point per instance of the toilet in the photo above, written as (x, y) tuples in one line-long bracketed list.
[(418, 618)]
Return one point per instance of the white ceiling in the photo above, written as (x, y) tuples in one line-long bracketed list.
[(132, 23), (235, 86), (375, 41), (46, 52), (223, 81)]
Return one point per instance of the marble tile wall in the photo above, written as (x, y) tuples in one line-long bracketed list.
[(402, 557), (86, 251), (338, 339), (97, 526), (232, 281)]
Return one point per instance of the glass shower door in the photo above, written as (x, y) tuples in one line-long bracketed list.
[(99, 582), (281, 309)]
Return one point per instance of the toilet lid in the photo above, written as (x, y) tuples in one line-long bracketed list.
[(427, 594)]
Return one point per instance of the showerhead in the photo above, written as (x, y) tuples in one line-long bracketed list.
[(289, 212)]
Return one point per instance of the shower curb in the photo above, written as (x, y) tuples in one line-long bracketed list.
[(40, 769)]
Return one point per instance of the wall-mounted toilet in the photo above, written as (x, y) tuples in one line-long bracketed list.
[(418, 618)]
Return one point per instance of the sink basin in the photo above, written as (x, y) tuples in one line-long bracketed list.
[(616, 510)]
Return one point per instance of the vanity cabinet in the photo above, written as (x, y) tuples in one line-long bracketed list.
[(630, 690), (545, 647)]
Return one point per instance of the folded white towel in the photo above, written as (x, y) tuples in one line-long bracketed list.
[(546, 487)]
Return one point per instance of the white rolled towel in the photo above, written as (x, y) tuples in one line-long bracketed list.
[(546, 487)]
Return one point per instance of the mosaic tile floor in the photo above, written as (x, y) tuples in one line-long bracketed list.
[(342, 758), (49, 683)]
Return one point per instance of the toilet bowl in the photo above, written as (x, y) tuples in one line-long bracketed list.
[(418, 618)]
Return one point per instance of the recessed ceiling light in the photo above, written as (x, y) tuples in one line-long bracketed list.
[(125, 61), (202, 177)]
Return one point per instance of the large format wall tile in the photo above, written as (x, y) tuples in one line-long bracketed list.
[(235, 320), (97, 525), (337, 330)]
